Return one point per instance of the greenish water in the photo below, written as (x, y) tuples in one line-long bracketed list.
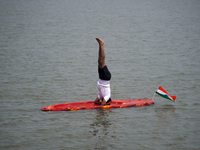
[(48, 55)]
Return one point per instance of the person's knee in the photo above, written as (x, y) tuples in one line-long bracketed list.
[(101, 63)]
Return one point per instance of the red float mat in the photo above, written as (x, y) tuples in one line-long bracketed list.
[(91, 105)]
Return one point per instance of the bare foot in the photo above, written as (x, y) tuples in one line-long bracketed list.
[(100, 41)]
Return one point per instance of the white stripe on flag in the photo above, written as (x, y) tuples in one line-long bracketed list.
[(163, 93)]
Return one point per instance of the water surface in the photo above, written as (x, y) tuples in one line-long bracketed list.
[(48, 55)]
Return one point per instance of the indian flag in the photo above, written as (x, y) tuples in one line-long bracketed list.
[(164, 94)]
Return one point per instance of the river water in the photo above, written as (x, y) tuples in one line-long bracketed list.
[(48, 55)]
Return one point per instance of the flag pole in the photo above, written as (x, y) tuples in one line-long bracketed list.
[(153, 96)]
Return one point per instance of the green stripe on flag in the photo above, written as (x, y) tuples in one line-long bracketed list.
[(165, 96)]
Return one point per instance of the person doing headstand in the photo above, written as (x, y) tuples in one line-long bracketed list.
[(103, 84)]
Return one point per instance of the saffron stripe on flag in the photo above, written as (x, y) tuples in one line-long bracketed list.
[(164, 94)]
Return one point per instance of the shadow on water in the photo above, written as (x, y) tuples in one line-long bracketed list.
[(101, 128)]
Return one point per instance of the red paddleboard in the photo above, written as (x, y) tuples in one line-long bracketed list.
[(91, 105)]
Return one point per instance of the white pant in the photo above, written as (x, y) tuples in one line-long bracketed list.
[(104, 89)]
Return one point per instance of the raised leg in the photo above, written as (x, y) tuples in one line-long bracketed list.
[(101, 58)]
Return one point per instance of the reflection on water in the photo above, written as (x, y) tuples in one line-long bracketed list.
[(101, 123), (101, 128), (166, 114)]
